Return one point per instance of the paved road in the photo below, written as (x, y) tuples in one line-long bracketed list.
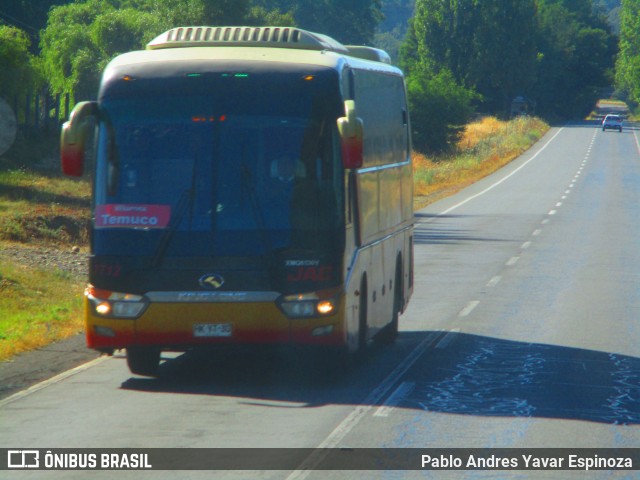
[(522, 333)]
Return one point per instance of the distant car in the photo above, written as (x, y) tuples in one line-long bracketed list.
[(612, 121)]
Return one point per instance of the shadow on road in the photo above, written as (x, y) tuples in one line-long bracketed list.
[(431, 233), (471, 375)]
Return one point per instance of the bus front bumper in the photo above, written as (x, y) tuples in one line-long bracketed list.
[(180, 326)]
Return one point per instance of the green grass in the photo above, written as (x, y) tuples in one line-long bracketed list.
[(36, 307)]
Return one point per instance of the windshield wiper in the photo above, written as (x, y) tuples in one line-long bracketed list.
[(187, 199), (249, 190)]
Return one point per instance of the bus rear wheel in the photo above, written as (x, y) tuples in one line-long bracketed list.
[(389, 334), (143, 360), (362, 318)]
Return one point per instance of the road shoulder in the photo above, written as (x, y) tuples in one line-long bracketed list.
[(27, 369)]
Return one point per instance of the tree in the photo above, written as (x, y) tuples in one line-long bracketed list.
[(438, 101), (439, 108), (503, 64), (488, 45), (458, 52), (28, 15), (576, 57), (18, 75), (81, 38), (557, 52), (628, 63), (443, 32), (350, 22), (68, 53)]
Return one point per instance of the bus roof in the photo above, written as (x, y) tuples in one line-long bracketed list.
[(197, 48), (275, 37), (252, 44)]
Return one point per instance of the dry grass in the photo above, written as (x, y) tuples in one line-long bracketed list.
[(46, 208), (484, 147)]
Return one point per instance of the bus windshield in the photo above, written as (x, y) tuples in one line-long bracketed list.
[(223, 167)]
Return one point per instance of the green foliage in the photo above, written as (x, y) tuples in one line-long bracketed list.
[(487, 45), (460, 52), (37, 307), (349, 21), (628, 63), (439, 108), (27, 15), (559, 53), (69, 56), (576, 55), (18, 74), (503, 62), (82, 37)]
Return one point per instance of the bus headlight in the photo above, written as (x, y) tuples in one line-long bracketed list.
[(297, 309), (306, 305), (115, 304)]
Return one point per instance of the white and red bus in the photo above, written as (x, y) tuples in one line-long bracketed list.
[(252, 185)]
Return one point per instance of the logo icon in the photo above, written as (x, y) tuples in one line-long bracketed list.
[(211, 281), (23, 459)]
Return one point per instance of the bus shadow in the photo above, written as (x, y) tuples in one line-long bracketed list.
[(427, 233), (472, 375)]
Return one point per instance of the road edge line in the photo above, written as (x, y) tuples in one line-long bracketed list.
[(502, 180), (46, 383), (368, 404)]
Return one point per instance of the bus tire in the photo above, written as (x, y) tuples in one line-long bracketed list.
[(143, 360), (362, 317), (389, 334)]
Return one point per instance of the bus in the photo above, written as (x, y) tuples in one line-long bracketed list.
[(251, 186)]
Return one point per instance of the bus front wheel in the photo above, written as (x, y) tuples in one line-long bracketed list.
[(143, 360)]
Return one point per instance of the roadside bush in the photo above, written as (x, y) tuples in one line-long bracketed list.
[(439, 109)]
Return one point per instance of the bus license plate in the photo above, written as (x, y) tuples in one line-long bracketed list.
[(212, 330)]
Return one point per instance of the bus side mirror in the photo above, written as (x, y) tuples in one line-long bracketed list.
[(351, 130), (73, 138)]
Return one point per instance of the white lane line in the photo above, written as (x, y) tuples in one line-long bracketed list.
[(637, 141), (52, 380), (512, 261), (545, 221), (335, 437), (502, 180), (536, 232), (447, 339), (552, 212), (404, 389), (466, 311), (525, 245), (559, 204), (494, 281)]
